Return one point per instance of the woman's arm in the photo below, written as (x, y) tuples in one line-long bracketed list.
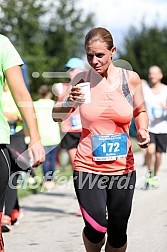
[(139, 112), (25, 105), (62, 110)]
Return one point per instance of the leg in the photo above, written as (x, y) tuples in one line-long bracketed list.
[(49, 167), (149, 155), (11, 195), (17, 205), (10, 200), (119, 201), (92, 200), (108, 248), (50, 162), (4, 175), (12, 209), (92, 247), (158, 158), (144, 155), (150, 152)]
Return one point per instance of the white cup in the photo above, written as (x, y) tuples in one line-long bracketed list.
[(85, 89)]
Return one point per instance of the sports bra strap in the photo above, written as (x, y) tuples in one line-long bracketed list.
[(125, 88)]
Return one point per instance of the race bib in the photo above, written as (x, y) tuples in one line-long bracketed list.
[(158, 112), (75, 122), (109, 147)]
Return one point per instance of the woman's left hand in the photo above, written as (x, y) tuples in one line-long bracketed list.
[(143, 137)]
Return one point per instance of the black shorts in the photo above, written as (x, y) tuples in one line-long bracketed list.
[(70, 140), (160, 141), (95, 194)]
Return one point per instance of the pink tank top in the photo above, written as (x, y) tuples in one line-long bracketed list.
[(105, 145)]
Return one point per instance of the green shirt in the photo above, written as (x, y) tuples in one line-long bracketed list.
[(9, 106), (9, 57), (48, 129)]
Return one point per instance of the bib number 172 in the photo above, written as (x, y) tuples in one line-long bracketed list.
[(110, 147)]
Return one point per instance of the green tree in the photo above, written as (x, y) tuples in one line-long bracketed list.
[(19, 21), (65, 33), (45, 34), (145, 47)]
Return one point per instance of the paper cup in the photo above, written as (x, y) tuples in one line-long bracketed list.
[(85, 89)]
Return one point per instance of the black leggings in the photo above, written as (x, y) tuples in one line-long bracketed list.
[(101, 194), (11, 199), (4, 176), (4, 173)]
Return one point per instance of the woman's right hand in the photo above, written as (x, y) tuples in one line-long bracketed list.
[(36, 152), (76, 95)]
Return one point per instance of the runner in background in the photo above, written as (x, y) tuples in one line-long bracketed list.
[(155, 96), (49, 133), (10, 70), (12, 212)]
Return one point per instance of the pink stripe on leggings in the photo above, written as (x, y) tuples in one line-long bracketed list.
[(93, 223)]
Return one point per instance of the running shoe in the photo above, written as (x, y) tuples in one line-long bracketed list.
[(16, 216), (6, 223), (154, 183), (147, 180)]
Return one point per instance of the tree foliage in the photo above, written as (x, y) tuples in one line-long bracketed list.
[(45, 34), (146, 47), (65, 32)]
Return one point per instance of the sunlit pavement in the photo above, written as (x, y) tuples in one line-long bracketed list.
[(50, 222)]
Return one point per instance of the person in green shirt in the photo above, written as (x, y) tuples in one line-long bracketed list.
[(12, 212), (10, 70), (49, 132)]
